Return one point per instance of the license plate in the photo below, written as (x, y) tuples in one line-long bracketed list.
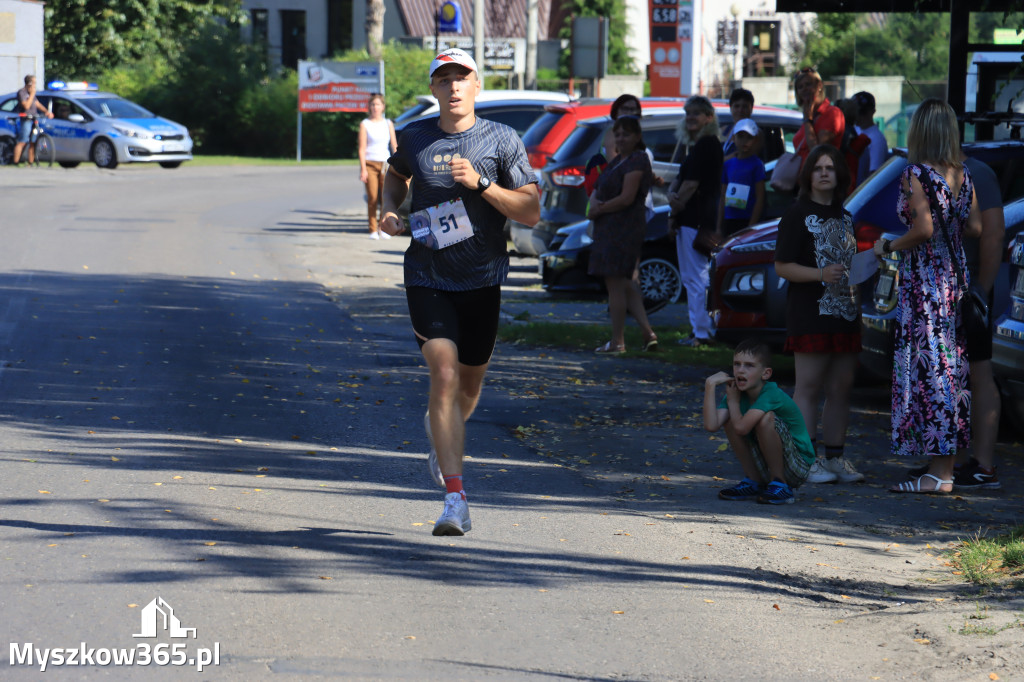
[(173, 148), (884, 287)]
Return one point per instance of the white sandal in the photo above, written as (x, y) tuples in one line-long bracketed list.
[(914, 486)]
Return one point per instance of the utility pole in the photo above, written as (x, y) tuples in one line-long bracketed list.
[(478, 36), (532, 33)]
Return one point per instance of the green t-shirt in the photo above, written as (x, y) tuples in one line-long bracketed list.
[(774, 399)]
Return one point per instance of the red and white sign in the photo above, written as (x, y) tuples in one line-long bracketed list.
[(338, 86), (664, 71)]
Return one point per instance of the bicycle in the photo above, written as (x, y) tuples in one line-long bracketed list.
[(40, 144)]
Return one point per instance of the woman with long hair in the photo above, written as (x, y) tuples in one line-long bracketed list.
[(937, 203), (377, 141), (815, 246), (617, 209), (694, 196)]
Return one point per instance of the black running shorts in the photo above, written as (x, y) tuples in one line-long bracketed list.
[(467, 318)]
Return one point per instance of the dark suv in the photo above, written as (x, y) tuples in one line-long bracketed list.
[(564, 200)]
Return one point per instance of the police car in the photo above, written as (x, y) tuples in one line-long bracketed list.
[(90, 125)]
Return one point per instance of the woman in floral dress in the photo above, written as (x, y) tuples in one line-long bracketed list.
[(930, 396)]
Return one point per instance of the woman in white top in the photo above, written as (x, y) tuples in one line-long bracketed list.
[(377, 141)]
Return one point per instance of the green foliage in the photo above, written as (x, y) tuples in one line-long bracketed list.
[(915, 46), (84, 38), (619, 59), (405, 74)]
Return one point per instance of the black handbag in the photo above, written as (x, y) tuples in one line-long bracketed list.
[(972, 306)]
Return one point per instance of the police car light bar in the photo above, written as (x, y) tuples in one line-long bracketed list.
[(78, 85)]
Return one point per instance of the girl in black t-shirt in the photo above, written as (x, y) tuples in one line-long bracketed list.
[(815, 245)]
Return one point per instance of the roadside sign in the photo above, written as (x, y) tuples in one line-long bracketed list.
[(449, 17), (338, 86)]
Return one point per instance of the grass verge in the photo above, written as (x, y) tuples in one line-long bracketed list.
[(587, 337), (212, 160), (990, 562)]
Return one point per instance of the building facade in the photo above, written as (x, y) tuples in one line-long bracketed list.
[(21, 43)]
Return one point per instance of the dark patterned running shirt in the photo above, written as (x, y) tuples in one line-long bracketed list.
[(498, 154)]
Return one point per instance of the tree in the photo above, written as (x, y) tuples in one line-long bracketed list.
[(915, 46), (86, 37), (620, 61), (374, 27)]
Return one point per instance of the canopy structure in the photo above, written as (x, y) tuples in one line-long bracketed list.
[(959, 22)]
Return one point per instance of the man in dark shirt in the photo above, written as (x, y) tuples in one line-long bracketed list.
[(27, 105), (467, 175)]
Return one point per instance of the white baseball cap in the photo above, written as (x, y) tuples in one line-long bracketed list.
[(453, 56), (745, 125)]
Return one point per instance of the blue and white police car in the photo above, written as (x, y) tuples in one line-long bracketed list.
[(91, 125)]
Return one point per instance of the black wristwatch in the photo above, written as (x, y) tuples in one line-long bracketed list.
[(482, 184), (886, 246)]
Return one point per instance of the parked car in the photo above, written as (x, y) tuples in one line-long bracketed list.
[(515, 108), (549, 131), (90, 125), (563, 269), (1008, 340), (564, 200)]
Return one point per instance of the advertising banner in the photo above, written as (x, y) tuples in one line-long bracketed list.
[(666, 55), (338, 86)]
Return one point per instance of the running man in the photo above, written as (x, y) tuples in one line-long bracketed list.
[(468, 175)]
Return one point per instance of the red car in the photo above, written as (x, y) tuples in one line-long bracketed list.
[(548, 132)]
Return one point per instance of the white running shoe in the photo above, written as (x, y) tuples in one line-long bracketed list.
[(454, 520), (375, 235), (820, 474), (435, 468), (842, 469), (384, 235)]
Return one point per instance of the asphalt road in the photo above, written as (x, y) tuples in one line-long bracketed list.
[(209, 394)]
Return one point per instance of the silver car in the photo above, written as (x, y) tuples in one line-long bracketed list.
[(90, 125)]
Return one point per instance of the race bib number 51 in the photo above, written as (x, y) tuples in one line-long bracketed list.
[(441, 226)]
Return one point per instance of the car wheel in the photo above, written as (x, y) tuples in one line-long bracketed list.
[(69, 164), (660, 283), (170, 164), (104, 154), (6, 151)]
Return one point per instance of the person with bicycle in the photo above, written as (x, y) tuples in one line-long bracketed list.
[(27, 106)]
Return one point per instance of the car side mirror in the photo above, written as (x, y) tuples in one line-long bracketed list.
[(76, 118)]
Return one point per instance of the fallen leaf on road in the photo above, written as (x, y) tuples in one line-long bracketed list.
[(326, 577), (209, 544), (709, 601), (618, 612), (776, 607), (922, 640), (843, 596), (45, 492)]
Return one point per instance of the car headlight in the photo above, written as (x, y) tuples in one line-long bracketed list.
[(746, 282), (753, 247), (131, 132)]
